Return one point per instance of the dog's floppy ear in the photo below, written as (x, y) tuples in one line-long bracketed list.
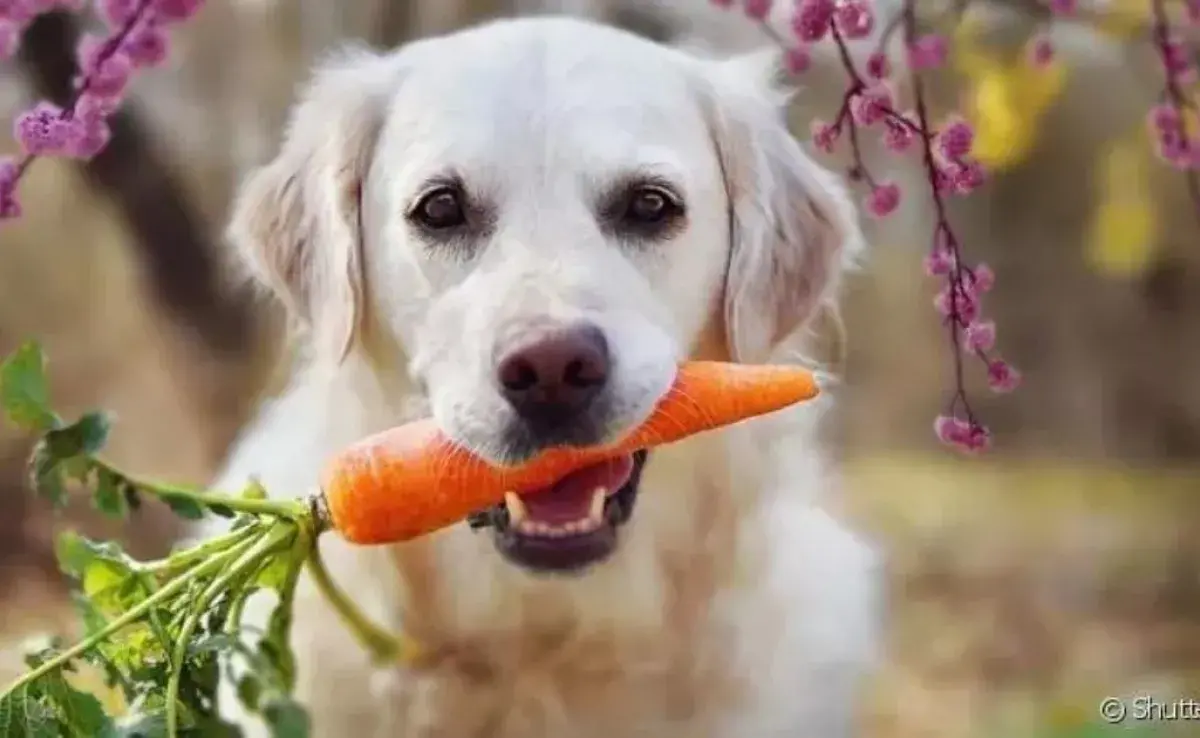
[(295, 221), (793, 228)]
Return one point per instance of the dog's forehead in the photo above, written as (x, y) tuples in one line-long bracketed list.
[(546, 84)]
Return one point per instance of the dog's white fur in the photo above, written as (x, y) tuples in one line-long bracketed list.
[(734, 605)]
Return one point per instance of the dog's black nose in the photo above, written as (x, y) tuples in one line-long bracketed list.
[(554, 378)]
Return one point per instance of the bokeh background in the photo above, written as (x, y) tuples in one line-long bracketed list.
[(1027, 584)]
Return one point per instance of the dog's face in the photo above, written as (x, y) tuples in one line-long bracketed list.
[(544, 216)]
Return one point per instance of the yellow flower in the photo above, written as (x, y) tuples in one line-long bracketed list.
[(1122, 19), (1006, 101), (1123, 238)]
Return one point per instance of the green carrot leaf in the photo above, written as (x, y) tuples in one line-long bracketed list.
[(24, 389)]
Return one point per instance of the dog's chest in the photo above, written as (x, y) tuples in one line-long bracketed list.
[(575, 692)]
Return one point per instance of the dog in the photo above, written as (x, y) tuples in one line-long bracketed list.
[(520, 229)]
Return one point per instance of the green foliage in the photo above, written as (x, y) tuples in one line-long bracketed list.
[(160, 632), (52, 707), (24, 391)]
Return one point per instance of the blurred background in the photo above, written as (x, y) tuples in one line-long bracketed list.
[(1062, 567)]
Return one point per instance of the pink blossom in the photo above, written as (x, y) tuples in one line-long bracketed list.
[(137, 38), (42, 130), (104, 71), (855, 19), (871, 105), (1175, 150), (962, 434), (1064, 7), (1041, 51), (939, 262), (898, 137), (964, 177), (928, 52), (757, 9), (10, 38), (116, 13), (981, 279), (23, 11), (812, 19), (980, 335), (176, 10), (90, 138), (9, 206), (824, 135), (1002, 377), (955, 139), (1164, 118), (797, 59), (1193, 12), (883, 200), (878, 66), (146, 45), (91, 107), (17, 12), (963, 308), (1175, 56), (948, 429)]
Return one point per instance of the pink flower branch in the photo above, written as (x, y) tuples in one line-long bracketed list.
[(1174, 143), (869, 103), (137, 39)]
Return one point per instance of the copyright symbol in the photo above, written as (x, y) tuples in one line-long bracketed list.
[(1112, 710)]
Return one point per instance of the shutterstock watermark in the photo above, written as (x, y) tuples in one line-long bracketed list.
[(1149, 709)]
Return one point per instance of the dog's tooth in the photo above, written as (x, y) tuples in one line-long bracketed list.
[(599, 497), (516, 508)]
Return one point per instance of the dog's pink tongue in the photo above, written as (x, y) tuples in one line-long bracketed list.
[(570, 498)]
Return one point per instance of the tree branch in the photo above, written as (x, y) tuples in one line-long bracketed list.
[(168, 231)]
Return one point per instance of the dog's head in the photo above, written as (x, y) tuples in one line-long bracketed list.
[(540, 218)]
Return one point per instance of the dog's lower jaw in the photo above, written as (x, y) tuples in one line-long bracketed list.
[(572, 548)]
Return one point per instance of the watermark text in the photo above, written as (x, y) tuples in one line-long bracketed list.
[(1148, 709)]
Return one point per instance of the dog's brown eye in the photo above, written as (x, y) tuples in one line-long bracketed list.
[(440, 210), (650, 206), (640, 209), (645, 212)]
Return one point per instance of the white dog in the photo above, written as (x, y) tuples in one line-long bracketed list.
[(520, 229)]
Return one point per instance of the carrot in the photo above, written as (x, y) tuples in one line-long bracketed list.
[(412, 479)]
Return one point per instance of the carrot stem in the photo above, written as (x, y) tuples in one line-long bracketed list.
[(246, 554), (131, 616), (287, 509), (383, 647)]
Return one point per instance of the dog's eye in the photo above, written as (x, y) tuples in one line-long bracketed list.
[(644, 211), (440, 209), (648, 206)]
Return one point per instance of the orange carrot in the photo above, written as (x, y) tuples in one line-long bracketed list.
[(412, 479)]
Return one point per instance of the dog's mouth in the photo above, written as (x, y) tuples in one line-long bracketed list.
[(570, 525)]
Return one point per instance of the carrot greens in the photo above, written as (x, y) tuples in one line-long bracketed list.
[(160, 633)]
